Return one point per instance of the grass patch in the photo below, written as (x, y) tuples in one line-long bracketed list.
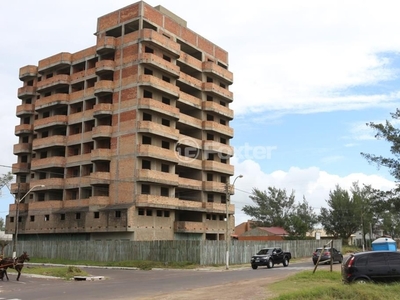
[(325, 285), (140, 264), (67, 272), (350, 249)]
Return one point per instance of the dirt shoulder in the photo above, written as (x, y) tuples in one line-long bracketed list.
[(255, 289)]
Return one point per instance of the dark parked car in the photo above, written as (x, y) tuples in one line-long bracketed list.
[(326, 255), (379, 266), (270, 257)]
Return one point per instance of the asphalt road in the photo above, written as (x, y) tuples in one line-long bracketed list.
[(135, 284)]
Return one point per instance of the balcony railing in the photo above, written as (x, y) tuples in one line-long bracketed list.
[(54, 82), (213, 68), (26, 92), (60, 60), (105, 45), (28, 72)]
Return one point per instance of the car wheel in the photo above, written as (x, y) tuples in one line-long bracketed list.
[(340, 260), (270, 264), (285, 262), (361, 281), (254, 267)]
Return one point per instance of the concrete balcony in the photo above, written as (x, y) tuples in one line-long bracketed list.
[(190, 81), (23, 129), (74, 160), (159, 84), (25, 109), (156, 152), (103, 87), (49, 162), (216, 147), (157, 39), (58, 61), (159, 63), (106, 44), (190, 141), (22, 187), (82, 94), (191, 184), (99, 200), (28, 72), (97, 178), (220, 72), (218, 207), (79, 138), (189, 162), (22, 148), (158, 106), (58, 120), (74, 182), (104, 67), (189, 227), (157, 177), (52, 101), (156, 201), (101, 155), (57, 81), (102, 109), (190, 61), (103, 131), (158, 129), (218, 109), (166, 202), (217, 226), (218, 91), (219, 128), (213, 186), (214, 166), (50, 141), (50, 183), (26, 92), (190, 100), (20, 168), (78, 117), (190, 121)]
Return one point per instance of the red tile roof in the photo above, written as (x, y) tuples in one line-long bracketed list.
[(275, 230)]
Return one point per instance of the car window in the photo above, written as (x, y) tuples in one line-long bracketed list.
[(376, 259), (361, 261), (264, 251), (393, 258)]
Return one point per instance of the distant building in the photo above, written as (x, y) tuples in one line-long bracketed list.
[(247, 231), (127, 139)]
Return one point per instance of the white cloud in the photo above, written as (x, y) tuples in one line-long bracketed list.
[(313, 183)]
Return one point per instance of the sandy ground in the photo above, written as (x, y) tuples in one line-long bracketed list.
[(243, 290), (255, 289)]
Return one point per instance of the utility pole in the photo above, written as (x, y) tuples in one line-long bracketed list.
[(16, 221), (227, 235)]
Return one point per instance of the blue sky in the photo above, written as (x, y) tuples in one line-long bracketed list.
[(308, 76)]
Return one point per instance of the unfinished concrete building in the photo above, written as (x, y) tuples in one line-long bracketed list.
[(128, 139)]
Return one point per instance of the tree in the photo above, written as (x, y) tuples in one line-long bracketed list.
[(391, 134), (276, 208), (365, 201), (273, 207), (6, 179), (339, 219), (301, 221)]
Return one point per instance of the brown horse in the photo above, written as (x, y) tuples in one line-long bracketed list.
[(14, 263)]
